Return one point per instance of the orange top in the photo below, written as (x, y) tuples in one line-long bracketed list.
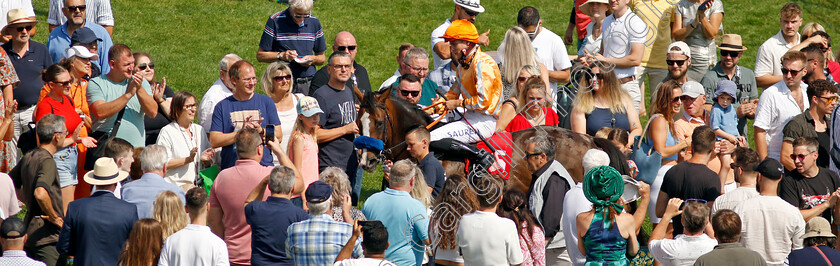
[(481, 85)]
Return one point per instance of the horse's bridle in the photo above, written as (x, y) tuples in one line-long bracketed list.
[(387, 152)]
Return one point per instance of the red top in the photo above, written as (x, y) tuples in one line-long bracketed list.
[(581, 19), (833, 69), (520, 122), (48, 105)]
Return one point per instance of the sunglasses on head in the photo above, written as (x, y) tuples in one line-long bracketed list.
[(785, 71), (799, 156), (347, 48), (284, 77), (28, 28), (412, 93), (144, 66), (733, 54), (79, 8), (672, 62)]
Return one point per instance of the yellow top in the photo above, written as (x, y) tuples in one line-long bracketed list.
[(657, 15)]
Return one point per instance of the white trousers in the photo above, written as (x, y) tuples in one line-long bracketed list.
[(461, 131)]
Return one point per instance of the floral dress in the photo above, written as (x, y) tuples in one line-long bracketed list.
[(8, 76)]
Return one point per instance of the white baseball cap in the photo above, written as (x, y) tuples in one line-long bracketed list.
[(82, 52)]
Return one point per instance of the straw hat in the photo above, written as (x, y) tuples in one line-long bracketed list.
[(17, 16), (585, 7), (105, 172), (731, 42)]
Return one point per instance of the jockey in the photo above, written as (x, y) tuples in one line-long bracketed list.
[(478, 88)]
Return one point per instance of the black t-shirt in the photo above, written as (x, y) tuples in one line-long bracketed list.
[(824, 140), (153, 125), (339, 110), (433, 173), (806, 193), (690, 181)]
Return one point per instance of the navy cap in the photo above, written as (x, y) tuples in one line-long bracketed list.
[(12, 227), (318, 192), (83, 35), (770, 168)]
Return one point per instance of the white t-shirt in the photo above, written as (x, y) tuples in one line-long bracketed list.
[(390, 81), (770, 226), (775, 108), (573, 204), (552, 53), (688, 10), (683, 250), (487, 239), (437, 36), (217, 92), (768, 60), (194, 245), (287, 123), (731, 199), (618, 34), (178, 143), (364, 262)]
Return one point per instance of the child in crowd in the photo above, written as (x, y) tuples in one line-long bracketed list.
[(303, 147), (724, 121), (621, 139)]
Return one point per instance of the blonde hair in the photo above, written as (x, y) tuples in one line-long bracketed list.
[(615, 96), (170, 212), (267, 79), (533, 83), (517, 51), (420, 191), (301, 129)]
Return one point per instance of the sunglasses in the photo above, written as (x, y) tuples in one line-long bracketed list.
[(28, 28), (470, 13), (279, 78), (672, 62), (732, 54), (302, 15), (190, 106), (799, 156), (63, 84), (144, 66), (676, 99), (792, 72), (412, 93), (347, 48), (532, 155), (79, 8), (830, 99)]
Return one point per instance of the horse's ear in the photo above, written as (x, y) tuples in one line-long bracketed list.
[(385, 94), (358, 93)]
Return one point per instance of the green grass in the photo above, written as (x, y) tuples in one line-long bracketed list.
[(187, 38)]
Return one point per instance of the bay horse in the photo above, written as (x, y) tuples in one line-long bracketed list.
[(388, 118)]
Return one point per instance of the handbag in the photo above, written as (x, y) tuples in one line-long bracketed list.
[(102, 139), (28, 140), (647, 159)]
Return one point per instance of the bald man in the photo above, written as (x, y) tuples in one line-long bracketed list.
[(345, 42)]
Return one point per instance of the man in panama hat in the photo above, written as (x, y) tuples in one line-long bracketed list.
[(746, 98), (96, 227)]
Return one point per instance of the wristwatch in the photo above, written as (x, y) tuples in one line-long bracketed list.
[(280, 56), (162, 99)]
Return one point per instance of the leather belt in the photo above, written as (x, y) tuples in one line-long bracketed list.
[(627, 79)]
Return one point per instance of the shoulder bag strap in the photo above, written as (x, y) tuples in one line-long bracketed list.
[(644, 134), (117, 123), (823, 255)]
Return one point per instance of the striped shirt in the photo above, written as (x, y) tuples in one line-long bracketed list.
[(282, 33), (98, 11), (318, 240)]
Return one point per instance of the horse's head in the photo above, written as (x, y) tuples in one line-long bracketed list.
[(373, 122)]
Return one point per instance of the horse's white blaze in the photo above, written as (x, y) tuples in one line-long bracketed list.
[(363, 161), (366, 124)]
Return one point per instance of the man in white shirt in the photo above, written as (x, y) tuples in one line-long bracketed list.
[(483, 237), (220, 89), (623, 45), (549, 47), (768, 68), (195, 244), (464, 9), (778, 104), (770, 226), (743, 161), (685, 248)]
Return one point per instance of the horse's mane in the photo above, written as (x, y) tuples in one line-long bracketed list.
[(410, 114)]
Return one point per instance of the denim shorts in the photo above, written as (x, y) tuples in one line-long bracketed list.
[(67, 161)]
